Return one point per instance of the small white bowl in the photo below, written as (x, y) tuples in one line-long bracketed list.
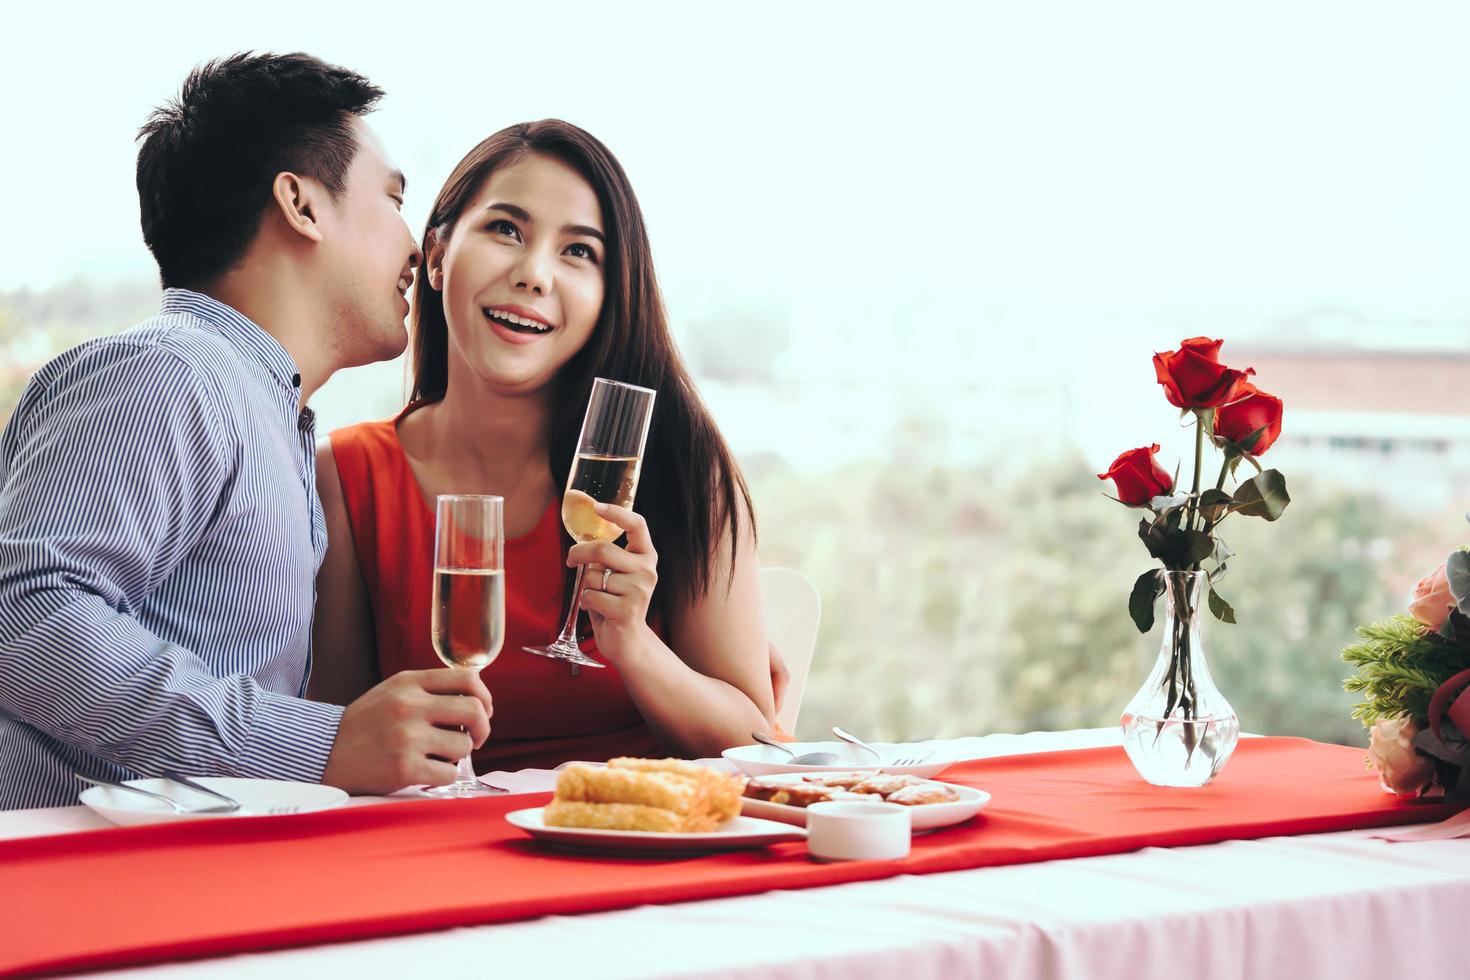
[(846, 830)]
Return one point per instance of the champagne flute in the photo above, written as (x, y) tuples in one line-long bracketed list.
[(468, 622), (605, 470)]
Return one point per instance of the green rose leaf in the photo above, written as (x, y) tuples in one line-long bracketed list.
[(1197, 546), (1263, 496), (1214, 503), (1249, 442), (1456, 628), (1234, 450), (1177, 549), (1220, 607), (1158, 540), (1141, 600), (1163, 505), (1457, 570), (1221, 555)]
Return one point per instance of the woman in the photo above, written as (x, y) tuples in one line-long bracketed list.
[(538, 278)]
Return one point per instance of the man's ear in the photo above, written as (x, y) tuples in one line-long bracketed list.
[(299, 201), (434, 261)]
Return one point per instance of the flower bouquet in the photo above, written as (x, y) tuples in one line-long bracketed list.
[(1179, 730), (1414, 670)]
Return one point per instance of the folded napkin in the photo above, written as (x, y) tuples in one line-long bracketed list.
[(1447, 829)]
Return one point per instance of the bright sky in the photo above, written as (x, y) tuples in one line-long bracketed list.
[(1264, 152), (954, 177)]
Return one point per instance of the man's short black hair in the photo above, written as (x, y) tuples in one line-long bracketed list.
[(208, 158)]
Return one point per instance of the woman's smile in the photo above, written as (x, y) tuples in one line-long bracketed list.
[(517, 324)]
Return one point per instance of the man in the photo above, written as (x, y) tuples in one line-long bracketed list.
[(160, 530)]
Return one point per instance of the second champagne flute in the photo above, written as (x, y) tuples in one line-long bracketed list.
[(605, 470), (468, 622)]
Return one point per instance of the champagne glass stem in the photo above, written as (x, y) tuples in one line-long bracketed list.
[(464, 773), (568, 635)]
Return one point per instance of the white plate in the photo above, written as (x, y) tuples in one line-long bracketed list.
[(734, 834), (924, 816), (257, 798), (762, 760)]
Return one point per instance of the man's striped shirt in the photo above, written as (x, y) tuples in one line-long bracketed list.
[(160, 534)]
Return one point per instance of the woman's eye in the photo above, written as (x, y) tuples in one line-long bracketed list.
[(503, 227), (577, 250)]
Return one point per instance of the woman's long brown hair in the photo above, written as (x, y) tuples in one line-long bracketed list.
[(690, 488)]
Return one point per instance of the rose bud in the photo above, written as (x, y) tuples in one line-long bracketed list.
[(1138, 476), (1251, 409), (1193, 376), (1401, 770), (1433, 599)]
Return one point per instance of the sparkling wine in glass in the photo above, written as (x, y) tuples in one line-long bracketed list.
[(468, 618), (604, 470)]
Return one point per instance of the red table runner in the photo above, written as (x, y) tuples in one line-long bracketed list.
[(134, 895)]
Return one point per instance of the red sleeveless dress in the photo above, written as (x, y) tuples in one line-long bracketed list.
[(543, 716)]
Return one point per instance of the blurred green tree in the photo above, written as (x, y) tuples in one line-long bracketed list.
[(954, 604), (36, 325), (963, 599)]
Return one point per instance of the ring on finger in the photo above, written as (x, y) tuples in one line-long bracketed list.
[(606, 574)]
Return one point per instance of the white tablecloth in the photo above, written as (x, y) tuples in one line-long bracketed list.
[(1334, 905)]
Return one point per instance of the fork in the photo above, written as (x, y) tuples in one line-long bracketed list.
[(912, 759), (852, 739), (182, 780), (173, 804)]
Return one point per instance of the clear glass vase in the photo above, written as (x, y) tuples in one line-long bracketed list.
[(1179, 730)]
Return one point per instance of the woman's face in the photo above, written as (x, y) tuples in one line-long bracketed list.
[(522, 274)]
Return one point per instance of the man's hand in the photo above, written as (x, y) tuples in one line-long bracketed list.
[(406, 731)]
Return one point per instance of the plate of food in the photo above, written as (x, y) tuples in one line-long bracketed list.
[(765, 760), (648, 806), (784, 797)]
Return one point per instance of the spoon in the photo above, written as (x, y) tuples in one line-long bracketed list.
[(848, 736), (807, 759)]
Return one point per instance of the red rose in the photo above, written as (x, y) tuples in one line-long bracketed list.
[(1251, 409), (1138, 476), (1193, 376)]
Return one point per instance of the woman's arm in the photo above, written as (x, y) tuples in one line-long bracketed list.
[(344, 657), (717, 689)]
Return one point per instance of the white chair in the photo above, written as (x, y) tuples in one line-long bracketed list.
[(793, 610)]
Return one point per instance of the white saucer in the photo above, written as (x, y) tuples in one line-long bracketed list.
[(735, 834), (257, 798), (763, 760), (923, 816)]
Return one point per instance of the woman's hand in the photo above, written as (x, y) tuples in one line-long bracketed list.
[(619, 583), (780, 676)]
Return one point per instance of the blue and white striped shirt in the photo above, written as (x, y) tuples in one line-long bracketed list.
[(160, 534)]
